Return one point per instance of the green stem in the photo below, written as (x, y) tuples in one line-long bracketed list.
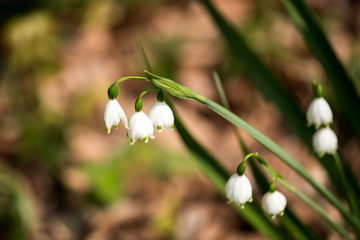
[(337, 227), (146, 91), (130, 77)]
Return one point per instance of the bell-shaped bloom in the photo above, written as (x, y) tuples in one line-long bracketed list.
[(238, 189), (319, 113), (113, 113), (140, 127), (161, 116), (325, 141), (274, 203)]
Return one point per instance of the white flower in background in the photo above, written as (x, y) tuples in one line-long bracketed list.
[(319, 113), (274, 203), (113, 113), (238, 189), (161, 116), (140, 127), (325, 141)]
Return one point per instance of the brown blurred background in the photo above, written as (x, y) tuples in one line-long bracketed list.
[(63, 178)]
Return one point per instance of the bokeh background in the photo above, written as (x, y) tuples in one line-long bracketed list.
[(63, 178)]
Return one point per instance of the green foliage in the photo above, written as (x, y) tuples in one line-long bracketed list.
[(110, 178)]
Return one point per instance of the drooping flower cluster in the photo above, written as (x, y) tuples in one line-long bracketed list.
[(238, 189), (140, 125), (320, 115)]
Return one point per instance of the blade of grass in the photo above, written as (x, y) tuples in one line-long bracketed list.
[(318, 43)]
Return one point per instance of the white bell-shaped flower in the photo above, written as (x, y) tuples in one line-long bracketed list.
[(161, 116), (325, 141), (238, 189), (319, 113), (113, 113), (274, 203), (140, 127)]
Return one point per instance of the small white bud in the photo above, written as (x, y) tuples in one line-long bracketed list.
[(140, 127), (274, 203), (161, 116), (238, 189), (319, 113), (113, 113), (325, 141)]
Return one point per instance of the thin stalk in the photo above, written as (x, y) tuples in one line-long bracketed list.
[(337, 227), (130, 77)]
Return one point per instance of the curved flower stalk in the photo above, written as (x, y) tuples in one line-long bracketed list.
[(325, 141), (113, 114), (161, 115)]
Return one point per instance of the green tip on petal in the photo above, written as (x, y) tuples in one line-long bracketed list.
[(116, 126), (272, 216), (145, 139), (250, 199), (281, 213), (158, 127), (131, 141), (242, 205), (172, 127), (108, 130)]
